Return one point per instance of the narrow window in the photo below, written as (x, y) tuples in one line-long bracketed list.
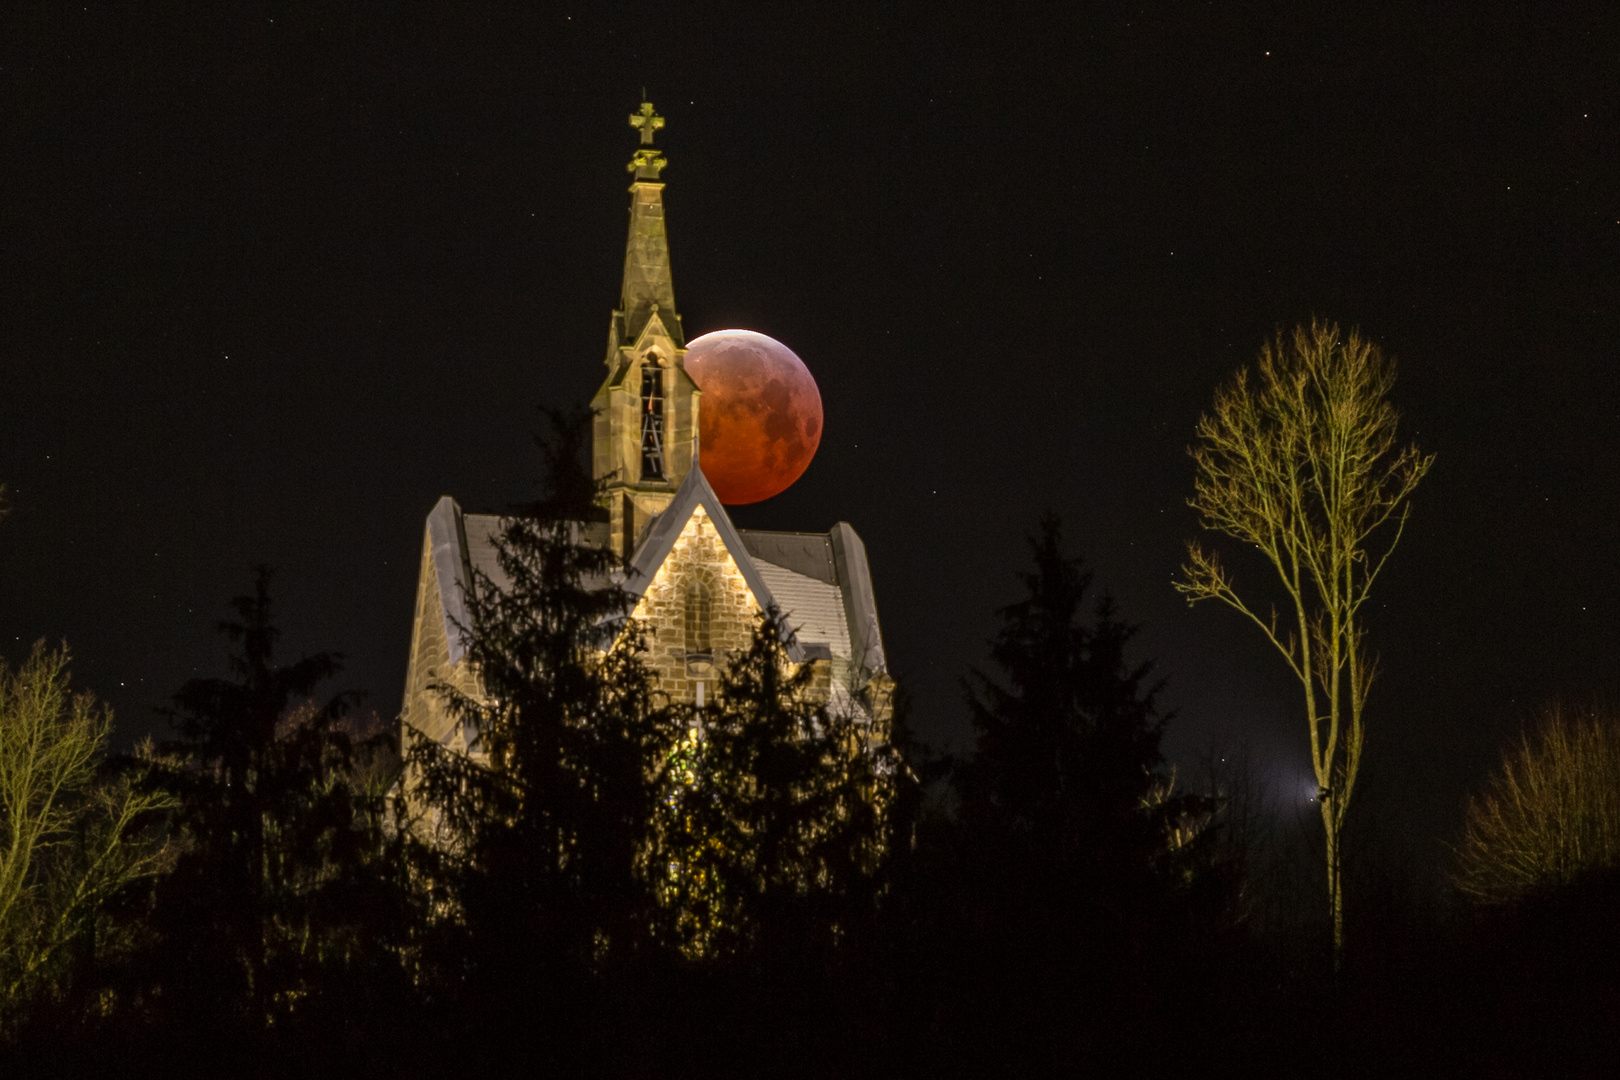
[(697, 617), (652, 420)]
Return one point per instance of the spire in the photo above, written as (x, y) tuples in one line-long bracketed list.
[(647, 286), (644, 438)]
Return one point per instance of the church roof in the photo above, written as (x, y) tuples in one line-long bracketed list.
[(815, 609), (820, 581), (809, 554), (464, 554), (665, 528), (451, 571), (838, 559)]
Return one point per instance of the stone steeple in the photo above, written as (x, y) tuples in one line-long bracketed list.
[(697, 581), (647, 286), (645, 435)]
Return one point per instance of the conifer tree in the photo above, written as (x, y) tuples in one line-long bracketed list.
[(275, 907), (1067, 749), (775, 826), (536, 839), (1061, 840)]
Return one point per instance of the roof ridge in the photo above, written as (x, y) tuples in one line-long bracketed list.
[(666, 528)]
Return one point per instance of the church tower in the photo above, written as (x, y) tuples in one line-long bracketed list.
[(645, 439), (696, 582)]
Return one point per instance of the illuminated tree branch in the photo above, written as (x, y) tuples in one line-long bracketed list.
[(1299, 461)]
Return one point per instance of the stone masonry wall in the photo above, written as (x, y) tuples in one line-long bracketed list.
[(698, 553)]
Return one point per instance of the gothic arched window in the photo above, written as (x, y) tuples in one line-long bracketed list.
[(652, 419), (697, 616)]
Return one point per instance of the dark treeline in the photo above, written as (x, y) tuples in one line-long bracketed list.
[(611, 884)]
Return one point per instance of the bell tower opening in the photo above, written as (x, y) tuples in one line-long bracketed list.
[(652, 419), (644, 439)]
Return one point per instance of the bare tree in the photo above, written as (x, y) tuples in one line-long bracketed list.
[(67, 839), (1551, 812), (1300, 461)]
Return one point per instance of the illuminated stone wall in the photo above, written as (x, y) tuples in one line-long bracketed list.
[(698, 554), (616, 439)]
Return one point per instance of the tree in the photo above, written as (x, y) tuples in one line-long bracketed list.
[(537, 838), (1064, 828), (277, 902), (1066, 759), (69, 838), (1550, 815), (774, 824), (1301, 463)]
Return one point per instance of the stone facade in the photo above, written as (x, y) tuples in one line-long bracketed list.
[(646, 345), (684, 640), (632, 498)]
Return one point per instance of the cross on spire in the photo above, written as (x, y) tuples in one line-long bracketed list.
[(647, 122)]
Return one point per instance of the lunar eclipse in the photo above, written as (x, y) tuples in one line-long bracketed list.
[(760, 418)]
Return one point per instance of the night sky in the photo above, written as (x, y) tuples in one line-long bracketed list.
[(273, 280)]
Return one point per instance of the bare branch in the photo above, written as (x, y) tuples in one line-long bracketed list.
[(1297, 458)]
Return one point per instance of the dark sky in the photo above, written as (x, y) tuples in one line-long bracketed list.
[(273, 280)]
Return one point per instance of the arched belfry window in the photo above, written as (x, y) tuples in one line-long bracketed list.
[(652, 419), (698, 614)]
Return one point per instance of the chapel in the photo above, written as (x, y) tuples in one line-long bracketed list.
[(697, 582)]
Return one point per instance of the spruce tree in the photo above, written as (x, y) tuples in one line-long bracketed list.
[(1067, 737), (282, 901), (774, 828), (1062, 844), (536, 841)]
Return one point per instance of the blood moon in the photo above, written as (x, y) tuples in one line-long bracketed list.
[(760, 417)]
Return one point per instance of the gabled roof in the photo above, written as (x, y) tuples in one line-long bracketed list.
[(814, 609), (837, 558), (666, 528), (809, 554), (450, 569), (860, 603), (465, 553), (820, 581)]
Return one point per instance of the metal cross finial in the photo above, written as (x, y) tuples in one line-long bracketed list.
[(647, 121)]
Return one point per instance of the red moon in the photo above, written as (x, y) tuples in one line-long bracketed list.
[(760, 417)]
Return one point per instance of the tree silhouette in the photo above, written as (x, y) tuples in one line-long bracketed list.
[(774, 825), (1063, 836), (1067, 751), (276, 903), (536, 838)]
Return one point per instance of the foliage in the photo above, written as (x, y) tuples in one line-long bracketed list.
[(1069, 859), (1065, 770), (282, 896), (1301, 463), (773, 828), (536, 840), (71, 839), (1551, 813)]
